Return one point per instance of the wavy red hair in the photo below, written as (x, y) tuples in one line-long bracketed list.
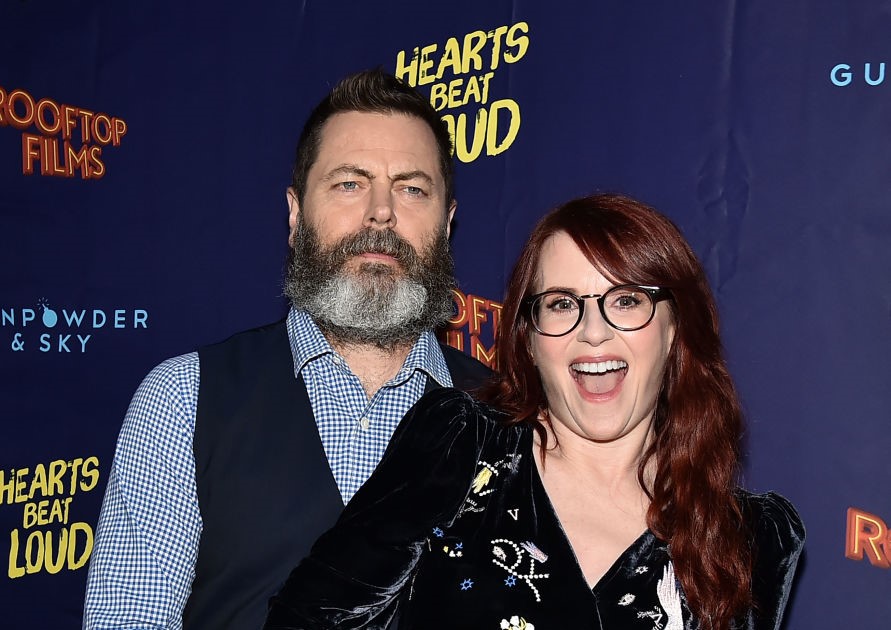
[(697, 423)]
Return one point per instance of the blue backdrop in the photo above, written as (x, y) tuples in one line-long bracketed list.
[(145, 149)]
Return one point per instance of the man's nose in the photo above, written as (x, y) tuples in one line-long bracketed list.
[(380, 212)]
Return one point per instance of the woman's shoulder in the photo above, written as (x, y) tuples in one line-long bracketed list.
[(451, 399), (445, 416), (777, 542), (446, 405), (774, 522)]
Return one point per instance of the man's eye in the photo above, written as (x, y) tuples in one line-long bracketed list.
[(414, 191), (348, 185)]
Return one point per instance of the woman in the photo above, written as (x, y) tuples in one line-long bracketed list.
[(594, 487)]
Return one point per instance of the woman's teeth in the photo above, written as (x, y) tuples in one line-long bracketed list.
[(600, 367)]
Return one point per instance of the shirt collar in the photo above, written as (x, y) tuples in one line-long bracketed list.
[(426, 356), (308, 343)]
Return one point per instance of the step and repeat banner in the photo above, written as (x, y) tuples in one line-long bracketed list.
[(145, 149)]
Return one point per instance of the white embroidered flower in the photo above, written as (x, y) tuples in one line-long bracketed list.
[(626, 599), (516, 623)]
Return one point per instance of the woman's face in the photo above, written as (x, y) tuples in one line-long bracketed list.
[(598, 406)]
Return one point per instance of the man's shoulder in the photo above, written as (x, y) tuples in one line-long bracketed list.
[(467, 373), (173, 374), (275, 330), (248, 356)]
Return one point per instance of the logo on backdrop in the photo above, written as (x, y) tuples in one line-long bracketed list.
[(60, 140), (64, 330), (474, 324), (47, 541), (844, 74), (868, 535), (459, 74)]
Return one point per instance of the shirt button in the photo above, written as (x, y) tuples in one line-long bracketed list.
[(364, 423)]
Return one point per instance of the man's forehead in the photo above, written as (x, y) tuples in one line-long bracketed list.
[(372, 118), (394, 133)]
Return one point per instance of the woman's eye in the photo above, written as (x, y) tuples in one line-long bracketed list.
[(561, 304), (626, 301)]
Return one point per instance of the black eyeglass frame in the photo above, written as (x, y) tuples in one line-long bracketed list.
[(657, 294)]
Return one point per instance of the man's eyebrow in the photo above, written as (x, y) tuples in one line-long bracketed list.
[(401, 177), (348, 169)]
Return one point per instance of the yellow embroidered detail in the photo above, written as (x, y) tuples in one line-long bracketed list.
[(482, 480)]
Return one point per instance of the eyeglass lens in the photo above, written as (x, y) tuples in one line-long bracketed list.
[(624, 307)]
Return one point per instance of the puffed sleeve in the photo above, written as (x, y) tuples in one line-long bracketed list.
[(357, 570), (778, 540)]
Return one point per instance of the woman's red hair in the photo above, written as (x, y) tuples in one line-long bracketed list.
[(697, 423)]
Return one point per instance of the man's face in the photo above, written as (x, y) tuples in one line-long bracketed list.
[(370, 259), (375, 171)]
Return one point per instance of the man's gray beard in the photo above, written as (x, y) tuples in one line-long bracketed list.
[(377, 304)]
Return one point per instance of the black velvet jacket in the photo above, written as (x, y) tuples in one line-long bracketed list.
[(455, 530)]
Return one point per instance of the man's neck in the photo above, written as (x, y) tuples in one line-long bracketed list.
[(373, 365)]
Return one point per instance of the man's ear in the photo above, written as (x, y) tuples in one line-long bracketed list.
[(449, 216), (293, 213)]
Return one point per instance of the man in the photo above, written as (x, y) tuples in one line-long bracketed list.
[(233, 459)]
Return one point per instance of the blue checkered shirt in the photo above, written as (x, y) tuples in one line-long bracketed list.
[(143, 560)]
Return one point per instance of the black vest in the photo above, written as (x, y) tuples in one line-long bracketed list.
[(265, 490)]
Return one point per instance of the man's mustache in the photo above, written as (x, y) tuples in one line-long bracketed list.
[(372, 241)]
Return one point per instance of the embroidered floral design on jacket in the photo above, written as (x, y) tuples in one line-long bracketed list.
[(534, 551), (516, 623), (500, 558), (480, 485)]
